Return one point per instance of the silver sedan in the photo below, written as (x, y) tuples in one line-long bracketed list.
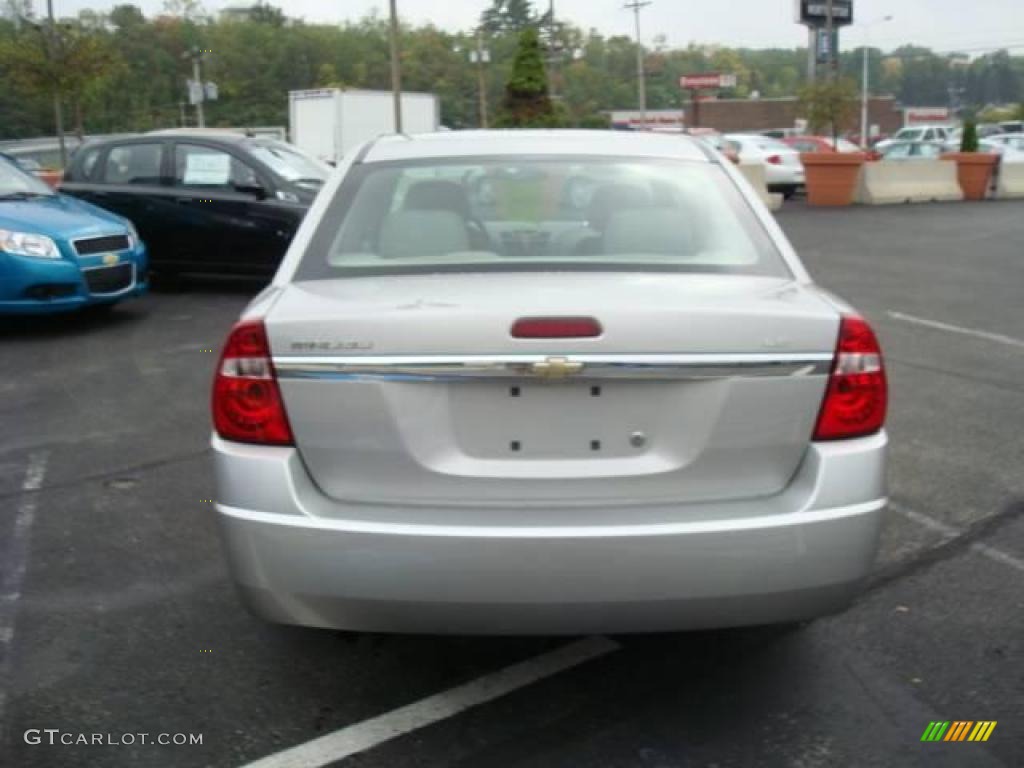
[(546, 382)]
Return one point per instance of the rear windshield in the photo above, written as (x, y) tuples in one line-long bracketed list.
[(518, 214)]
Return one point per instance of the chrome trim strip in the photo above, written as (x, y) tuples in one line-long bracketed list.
[(455, 367)]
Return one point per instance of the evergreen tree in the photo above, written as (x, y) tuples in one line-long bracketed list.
[(969, 141), (508, 16), (527, 103)]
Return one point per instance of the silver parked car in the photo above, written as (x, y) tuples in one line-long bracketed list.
[(473, 401)]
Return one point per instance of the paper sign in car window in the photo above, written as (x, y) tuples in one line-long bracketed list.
[(207, 168)]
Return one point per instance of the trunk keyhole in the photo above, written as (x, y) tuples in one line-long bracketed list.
[(515, 445), (595, 445), (595, 391), (513, 391)]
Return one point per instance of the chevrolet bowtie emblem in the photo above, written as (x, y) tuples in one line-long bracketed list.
[(556, 368), (110, 259)]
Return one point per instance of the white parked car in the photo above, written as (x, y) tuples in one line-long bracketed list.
[(1011, 146), (935, 133), (471, 402), (784, 171)]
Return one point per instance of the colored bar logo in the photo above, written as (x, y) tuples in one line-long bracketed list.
[(959, 730)]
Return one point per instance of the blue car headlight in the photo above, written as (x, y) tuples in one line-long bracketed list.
[(133, 236), (28, 244)]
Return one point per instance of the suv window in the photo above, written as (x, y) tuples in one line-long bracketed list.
[(909, 134), (134, 164), (196, 165), (87, 162)]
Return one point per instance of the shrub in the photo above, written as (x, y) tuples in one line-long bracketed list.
[(969, 141)]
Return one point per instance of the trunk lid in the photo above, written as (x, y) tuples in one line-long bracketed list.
[(411, 389)]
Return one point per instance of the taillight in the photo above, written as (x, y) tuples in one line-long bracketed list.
[(774, 160), (555, 328), (856, 397), (247, 404)]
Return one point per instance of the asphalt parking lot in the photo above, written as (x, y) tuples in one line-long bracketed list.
[(117, 615)]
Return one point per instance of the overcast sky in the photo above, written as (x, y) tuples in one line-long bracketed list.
[(940, 24)]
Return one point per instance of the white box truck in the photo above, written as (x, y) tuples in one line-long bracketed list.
[(329, 122)]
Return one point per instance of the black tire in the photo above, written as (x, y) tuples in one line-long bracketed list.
[(165, 280), (99, 310)]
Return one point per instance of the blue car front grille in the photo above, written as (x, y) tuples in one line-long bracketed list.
[(105, 280), (106, 244)]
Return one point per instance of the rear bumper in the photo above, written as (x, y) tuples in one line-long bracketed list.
[(710, 565)]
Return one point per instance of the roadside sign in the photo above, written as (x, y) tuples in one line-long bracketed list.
[(826, 44), (814, 13), (211, 91), (195, 92), (926, 115), (707, 80)]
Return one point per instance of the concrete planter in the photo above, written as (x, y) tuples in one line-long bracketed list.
[(974, 172), (831, 177)]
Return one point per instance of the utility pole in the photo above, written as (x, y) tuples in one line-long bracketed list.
[(641, 84), (58, 111), (552, 61), (482, 57), (396, 69), (197, 77)]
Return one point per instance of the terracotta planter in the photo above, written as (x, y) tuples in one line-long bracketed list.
[(974, 172), (831, 177)]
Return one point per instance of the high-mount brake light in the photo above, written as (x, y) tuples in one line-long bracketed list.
[(556, 328), (247, 403), (857, 395)]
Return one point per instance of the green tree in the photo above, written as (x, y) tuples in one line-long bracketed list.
[(66, 60), (527, 103), (829, 105), (508, 16)]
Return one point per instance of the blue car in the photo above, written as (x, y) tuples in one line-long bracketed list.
[(58, 253)]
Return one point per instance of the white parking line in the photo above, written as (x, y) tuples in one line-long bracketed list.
[(949, 532), (988, 336), (15, 566), (369, 733)]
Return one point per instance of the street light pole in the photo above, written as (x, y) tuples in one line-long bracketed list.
[(396, 69), (864, 84), (833, 58), (641, 84)]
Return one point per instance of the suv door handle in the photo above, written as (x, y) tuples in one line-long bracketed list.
[(184, 200)]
